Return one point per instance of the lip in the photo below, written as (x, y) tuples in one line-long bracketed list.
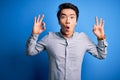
[(67, 27)]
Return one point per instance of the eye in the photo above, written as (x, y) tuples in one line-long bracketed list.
[(72, 17), (62, 16)]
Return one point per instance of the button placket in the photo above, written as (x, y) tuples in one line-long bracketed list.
[(66, 60)]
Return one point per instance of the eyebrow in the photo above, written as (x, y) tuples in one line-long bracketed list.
[(70, 14)]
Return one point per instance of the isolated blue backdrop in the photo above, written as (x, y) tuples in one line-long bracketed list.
[(16, 21)]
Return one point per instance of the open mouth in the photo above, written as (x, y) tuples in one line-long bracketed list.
[(67, 27)]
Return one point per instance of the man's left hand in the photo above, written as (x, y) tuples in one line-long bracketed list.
[(98, 29)]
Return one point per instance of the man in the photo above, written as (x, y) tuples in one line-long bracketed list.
[(66, 48)]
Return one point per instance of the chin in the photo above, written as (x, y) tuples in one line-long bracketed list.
[(67, 33)]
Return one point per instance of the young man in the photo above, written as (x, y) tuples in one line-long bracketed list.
[(66, 48)]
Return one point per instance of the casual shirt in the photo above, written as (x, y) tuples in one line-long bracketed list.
[(65, 55)]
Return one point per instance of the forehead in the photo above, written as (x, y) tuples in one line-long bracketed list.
[(68, 12)]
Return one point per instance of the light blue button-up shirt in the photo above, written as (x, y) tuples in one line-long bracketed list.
[(65, 55)]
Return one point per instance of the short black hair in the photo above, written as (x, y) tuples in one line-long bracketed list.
[(67, 6)]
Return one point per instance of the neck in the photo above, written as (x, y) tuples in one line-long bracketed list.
[(67, 35)]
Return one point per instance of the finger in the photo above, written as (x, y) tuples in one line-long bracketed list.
[(38, 19), (94, 27), (42, 18), (96, 19), (44, 25), (101, 21)]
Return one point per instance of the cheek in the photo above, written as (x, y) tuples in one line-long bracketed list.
[(61, 22), (74, 24)]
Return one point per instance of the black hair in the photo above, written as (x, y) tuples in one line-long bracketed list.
[(67, 6)]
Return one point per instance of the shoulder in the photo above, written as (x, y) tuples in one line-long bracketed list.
[(50, 35), (80, 35)]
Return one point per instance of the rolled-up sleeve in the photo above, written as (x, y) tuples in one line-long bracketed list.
[(102, 48), (33, 47), (99, 51)]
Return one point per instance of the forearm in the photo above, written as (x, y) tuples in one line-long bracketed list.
[(102, 49), (31, 44)]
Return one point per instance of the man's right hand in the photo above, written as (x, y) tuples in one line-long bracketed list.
[(39, 26)]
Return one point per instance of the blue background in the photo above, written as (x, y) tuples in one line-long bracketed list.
[(16, 21)]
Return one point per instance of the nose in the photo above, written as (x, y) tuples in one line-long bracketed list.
[(68, 21)]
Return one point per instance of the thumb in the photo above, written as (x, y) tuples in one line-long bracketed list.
[(44, 25)]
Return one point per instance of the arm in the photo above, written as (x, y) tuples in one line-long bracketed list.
[(100, 49), (32, 46)]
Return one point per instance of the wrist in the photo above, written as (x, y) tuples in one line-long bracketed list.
[(101, 38), (36, 33)]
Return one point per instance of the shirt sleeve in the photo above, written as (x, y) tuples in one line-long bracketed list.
[(99, 51), (33, 47)]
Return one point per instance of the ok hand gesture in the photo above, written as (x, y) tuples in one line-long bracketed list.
[(39, 26), (98, 29)]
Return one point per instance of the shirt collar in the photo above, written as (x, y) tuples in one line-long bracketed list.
[(64, 37)]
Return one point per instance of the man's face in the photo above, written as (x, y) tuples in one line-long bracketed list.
[(67, 21)]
